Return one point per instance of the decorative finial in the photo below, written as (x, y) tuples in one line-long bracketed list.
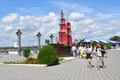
[(67, 19), (38, 34), (62, 13)]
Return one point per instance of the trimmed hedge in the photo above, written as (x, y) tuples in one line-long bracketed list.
[(47, 55)]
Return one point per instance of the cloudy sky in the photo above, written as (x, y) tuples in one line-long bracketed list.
[(94, 19)]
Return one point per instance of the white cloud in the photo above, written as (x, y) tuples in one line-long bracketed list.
[(76, 16), (51, 15), (88, 21), (118, 33), (87, 27), (82, 26), (10, 18), (85, 30), (53, 31), (8, 28), (97, 32), (22, 18), (104, 16)]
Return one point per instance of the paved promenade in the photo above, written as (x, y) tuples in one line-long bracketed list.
[(71, 70)]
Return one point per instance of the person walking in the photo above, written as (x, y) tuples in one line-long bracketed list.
[(99, 55), (88, 52), (81, 53), (103, 55), (73, 49)]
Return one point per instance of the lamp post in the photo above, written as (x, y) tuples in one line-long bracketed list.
[(38, 35), (51, 37), (19, 40)]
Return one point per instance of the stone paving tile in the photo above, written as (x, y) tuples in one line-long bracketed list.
[(72, 70)]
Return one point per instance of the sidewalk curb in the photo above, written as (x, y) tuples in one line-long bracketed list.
[(67, 60), (42, 65)]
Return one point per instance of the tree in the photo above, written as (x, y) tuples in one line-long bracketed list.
[(93, 43), (115, 38)]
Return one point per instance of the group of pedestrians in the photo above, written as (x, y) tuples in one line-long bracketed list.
[(89, 52)]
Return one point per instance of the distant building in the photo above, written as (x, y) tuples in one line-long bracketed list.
[(15, 45)]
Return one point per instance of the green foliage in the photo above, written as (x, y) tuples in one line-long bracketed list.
[(47, 55), (107, 46), (19, 61), (26, 53), (93, 43), (115, 38), (102, 44), (5, 62), (61, 58)]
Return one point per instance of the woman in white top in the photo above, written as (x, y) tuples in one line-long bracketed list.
[(99, 55), (73, 49)]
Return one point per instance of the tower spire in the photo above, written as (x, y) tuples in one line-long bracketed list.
[(67, 19), (62, 13)]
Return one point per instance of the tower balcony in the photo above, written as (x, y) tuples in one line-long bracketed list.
[(68, 33), (68, 26), (63, 31), (62, 22)]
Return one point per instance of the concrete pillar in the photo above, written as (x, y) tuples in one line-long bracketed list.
[(39, 44), (51, 37), (19, 40)]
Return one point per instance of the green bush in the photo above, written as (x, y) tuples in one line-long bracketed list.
[(93, 43), (107, 46), (47, 55), (26, 53)]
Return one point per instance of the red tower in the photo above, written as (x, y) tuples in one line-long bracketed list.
[(69, 37), (63, 29), (65, 32)]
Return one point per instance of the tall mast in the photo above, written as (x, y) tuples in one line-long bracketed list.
[(62, 14)]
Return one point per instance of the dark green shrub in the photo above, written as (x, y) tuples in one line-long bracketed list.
[(107, 46), (26, 53), (93, 43), (102, 44), (47, 55)]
